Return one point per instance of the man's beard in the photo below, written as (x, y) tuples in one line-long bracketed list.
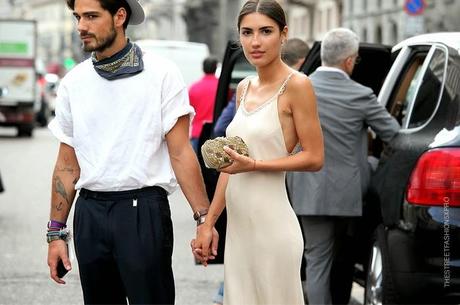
[(102, 43)]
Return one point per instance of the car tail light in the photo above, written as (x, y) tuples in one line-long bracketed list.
[(435, 181)]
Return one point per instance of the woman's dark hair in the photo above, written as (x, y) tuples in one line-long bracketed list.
[(109, 5), (269, 8)]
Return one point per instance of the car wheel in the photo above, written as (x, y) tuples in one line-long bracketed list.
[(379, 286)]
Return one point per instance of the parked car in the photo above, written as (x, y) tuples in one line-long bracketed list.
[(414, 200), (408, 247), (188, 56)]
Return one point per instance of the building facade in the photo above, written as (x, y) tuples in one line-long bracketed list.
[(311, 19), (164, 20), (388, 22), (212, 22), (58, 38)]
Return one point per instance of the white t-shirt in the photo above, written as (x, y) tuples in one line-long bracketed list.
[(118, 127)]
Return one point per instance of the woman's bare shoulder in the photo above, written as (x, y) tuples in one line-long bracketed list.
[(299, 80), (299, 84)]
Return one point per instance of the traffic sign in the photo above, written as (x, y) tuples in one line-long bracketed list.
[(414, 7)]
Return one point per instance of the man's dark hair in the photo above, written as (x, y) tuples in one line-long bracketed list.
[(210, 65), (293, 50), (109, 5)]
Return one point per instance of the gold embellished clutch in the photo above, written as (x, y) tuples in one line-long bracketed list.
[(214, 155)]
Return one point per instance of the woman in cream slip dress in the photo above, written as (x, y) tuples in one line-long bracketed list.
[(276, 110), (264, 245)]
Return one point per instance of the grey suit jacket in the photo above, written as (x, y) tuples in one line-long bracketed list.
[(346, 108)]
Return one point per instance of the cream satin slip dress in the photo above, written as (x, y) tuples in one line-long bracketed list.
[(264, 244)]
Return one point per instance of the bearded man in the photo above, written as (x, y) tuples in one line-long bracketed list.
[(122, 120)]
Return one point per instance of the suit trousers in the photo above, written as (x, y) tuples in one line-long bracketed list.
[(124, 244), (329, 255)]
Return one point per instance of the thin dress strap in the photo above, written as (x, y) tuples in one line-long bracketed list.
[(283, 86), (245, 90)]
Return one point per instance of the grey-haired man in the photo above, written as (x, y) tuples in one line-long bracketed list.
[(329, 200)]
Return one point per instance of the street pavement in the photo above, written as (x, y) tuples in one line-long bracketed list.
[(26, 166)]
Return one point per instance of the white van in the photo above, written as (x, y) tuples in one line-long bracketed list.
[(188, 56)]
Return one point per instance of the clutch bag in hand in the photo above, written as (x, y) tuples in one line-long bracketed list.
[(214, 155)]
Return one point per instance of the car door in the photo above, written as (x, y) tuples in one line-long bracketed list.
[(376, 60), (412, 94), (421, 92)]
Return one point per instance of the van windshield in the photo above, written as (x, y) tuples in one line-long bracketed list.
[(187, 56)]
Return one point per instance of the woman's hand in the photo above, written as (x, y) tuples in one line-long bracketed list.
[(206, 238), (240, 163)]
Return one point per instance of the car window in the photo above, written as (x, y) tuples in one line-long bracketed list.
[(406, 90), (410, 94), (427, 96), (451, 94), (417, 95)]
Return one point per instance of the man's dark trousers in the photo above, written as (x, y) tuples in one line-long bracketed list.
[(124, 243)]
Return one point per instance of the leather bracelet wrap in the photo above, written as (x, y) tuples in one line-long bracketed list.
[(199, 216), (200, 213), (63, 234)]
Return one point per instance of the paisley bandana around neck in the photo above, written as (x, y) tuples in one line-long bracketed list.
[(125, 63)]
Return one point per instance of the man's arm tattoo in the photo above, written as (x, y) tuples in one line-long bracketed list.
[(60, 189), (67, 169), (59, 206)]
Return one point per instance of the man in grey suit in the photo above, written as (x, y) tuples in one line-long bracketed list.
[(328, 201)]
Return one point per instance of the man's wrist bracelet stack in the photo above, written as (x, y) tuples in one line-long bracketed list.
[(57, 230), (200, 216)]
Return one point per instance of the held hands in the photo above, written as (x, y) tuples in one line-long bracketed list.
[(57, 250), (204, 247), (240, 163)]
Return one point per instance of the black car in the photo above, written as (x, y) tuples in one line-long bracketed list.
[(408, 246), (413, 206)]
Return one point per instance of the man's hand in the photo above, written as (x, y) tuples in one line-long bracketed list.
[(206, 238), (57, 250)]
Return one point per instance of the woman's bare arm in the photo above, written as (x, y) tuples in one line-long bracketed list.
[(302, 102)]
